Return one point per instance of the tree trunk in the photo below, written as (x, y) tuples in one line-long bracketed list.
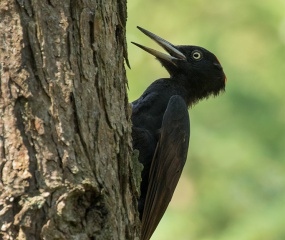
[(65, 121)]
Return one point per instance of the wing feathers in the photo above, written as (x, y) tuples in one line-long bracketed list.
[(167, 164)]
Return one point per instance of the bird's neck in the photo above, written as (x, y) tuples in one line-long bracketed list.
[(192, 91)]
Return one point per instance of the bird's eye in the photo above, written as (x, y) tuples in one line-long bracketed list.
[(197, 55)]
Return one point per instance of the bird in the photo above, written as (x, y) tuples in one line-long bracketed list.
[(161, 123)]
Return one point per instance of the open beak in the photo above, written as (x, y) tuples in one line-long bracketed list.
[(174, 53)]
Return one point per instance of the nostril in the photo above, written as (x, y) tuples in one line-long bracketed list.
[(217, 65)]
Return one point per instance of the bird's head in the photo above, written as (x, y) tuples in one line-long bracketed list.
[(195, 67)]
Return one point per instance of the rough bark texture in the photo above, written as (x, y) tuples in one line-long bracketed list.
[(64, 121)]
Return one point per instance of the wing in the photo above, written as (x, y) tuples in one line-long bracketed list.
[(167, 164)]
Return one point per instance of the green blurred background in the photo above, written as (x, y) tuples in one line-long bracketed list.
[(233, 184)]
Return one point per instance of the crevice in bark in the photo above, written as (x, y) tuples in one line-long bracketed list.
[(16, 209), (20, 104)]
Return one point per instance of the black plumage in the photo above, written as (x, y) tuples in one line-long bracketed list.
[(161, 126)]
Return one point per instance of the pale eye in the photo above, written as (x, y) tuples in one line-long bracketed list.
[(197, 55)]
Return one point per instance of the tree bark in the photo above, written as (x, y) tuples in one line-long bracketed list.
[(65, 145)]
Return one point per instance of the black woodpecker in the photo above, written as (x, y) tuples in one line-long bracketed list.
[(161, 125)]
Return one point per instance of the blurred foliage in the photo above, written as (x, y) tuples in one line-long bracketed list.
[(233, 185)]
